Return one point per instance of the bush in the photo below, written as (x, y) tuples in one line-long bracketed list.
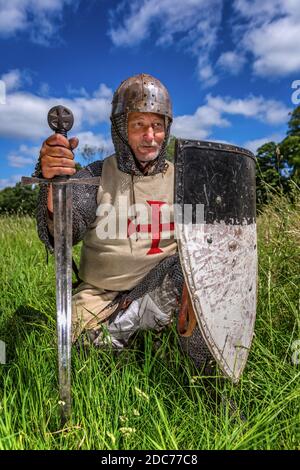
[(19, 200)]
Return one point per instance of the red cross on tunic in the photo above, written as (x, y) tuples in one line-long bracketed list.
[(156, 227)]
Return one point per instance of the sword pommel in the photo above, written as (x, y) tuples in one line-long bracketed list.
[(60, 119)]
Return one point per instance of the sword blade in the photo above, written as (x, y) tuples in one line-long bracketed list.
[(92, 181), (62, 221)]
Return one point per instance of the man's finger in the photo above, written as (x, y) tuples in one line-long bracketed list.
[(58, 171), (57, 151), (73, 142), (58, 140), (65, 162)]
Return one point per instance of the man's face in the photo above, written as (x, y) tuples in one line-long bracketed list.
[(146, 133)]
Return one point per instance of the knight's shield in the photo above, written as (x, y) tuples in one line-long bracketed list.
[(216, 234)]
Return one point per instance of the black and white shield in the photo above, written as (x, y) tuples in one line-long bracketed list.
[(216, 234)]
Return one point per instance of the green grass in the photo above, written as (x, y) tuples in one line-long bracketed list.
[(148, 398)]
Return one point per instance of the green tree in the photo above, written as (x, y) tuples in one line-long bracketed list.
[(90, 153), (290, 146), (294, 122), (269, 171), (278, 165), (171, 148), (18, 200)]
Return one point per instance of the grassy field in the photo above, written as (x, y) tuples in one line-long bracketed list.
[(148, 398)]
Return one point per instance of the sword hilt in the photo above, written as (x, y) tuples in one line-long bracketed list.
[(60, 120)]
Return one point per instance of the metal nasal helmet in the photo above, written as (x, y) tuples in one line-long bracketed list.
[(142, 93)]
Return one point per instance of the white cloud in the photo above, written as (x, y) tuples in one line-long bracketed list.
[(261, 12), (98, 141), (24, 114), (11, 181), (266, 33), (189, 127), (103, 91), (44, 89), (253, 145), (17, 161), (191, 25), (231, 61), (24, 156), (77, 91), (15, 79), (199, 124), (270, 34), (40, 18), (256, 107), (212, 114), (29, 151), (171, 17), (275, 47), (12, 79), (206, 73)]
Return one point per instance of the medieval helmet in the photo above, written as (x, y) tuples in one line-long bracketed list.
[(140, 93)]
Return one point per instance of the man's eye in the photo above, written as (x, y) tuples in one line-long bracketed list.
[(158, 125)]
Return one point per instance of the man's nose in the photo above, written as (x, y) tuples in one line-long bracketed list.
[(149, 133)]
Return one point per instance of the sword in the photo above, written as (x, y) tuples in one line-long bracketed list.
[(60, 119)]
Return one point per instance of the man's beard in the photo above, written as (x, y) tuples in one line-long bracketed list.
[(153, 156)]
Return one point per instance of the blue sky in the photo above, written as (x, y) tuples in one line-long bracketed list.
[(229, 66)]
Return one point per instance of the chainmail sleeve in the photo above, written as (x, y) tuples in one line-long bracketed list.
[(84, 206)]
